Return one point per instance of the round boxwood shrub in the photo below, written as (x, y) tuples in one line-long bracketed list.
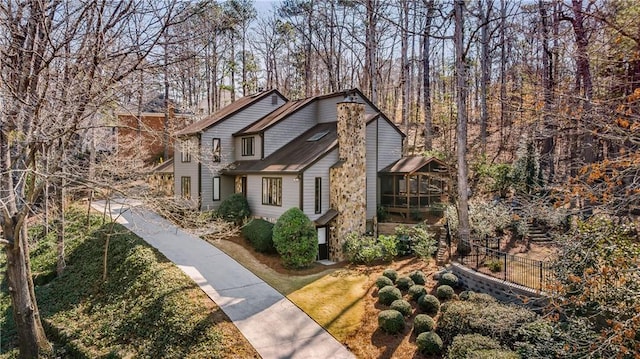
[(418, 277), (235, 208), (445, 292), (423, 323), (462, 345), (391, 321), (260, 234), (295, 239), (401, 306), (404, 283), (429, 343), (391, 274), (465, 295), (383, 281), (449, 279), (429, 304), (417, 291), (386, 295)]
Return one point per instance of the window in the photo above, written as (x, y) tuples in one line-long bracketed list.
[(185, 151), (247, 146), (216, 188), (215, 148), (185, 187), (318, 193), (272, 191), (274, 99)]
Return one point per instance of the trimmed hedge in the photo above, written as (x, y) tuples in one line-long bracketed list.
[(404, 283), (235, 208), (260, 234), (391, 321), (445, 292), (295, 239), (388, 294), (429, 304), (417, 291), (423, 323), (418, 277), (383, 281), (391, 274), (401, 306), (429, 343), (449, 279)]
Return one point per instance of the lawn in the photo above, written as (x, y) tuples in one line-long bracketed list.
[(146, 308)]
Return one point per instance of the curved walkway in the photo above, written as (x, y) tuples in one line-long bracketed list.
[(274, 326)]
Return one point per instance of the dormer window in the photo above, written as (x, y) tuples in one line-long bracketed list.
[(248, 145)]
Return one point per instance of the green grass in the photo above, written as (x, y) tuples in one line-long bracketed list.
[(146, 308)]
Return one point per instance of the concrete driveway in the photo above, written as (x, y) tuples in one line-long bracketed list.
[(274, 326)]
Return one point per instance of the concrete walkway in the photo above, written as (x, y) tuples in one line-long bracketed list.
[(274, 326)]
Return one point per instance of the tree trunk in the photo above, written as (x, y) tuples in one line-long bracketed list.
[(503, 71), (31, 337), (548, 143), (461, 104), (485, 68), (404, 71), (426, 77)]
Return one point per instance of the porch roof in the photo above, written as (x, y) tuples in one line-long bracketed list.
[(413, 164), (326, 217)]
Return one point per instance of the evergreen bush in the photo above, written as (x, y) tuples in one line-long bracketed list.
[(429, 343), (416, 291), (462, 345), (295, 239), (404, 283), (401, 306), (429, 304), (388, 294), (445, 292), (449, 279), (391, 274), (234, 209), (418, 277), (423, 323), (383, 281), (391, 321), (260, 234)]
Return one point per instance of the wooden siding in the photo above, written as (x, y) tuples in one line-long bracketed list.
[(288, 129), (389, 144), (326, 110), (224, 132), (290, 196), (186, 169), (257, 148), (319, 169)]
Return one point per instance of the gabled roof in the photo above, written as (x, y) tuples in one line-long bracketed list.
[(165, 167), (225, 113), (411, 164), (294, 157)]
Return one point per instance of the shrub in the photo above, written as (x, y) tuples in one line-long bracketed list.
[(391, 274), (260, 234), (388, 294), (449, 279), (465, 295), (416, 291), (493, 354), (423, 323), (418, 277), (429, 304), (383, 281), (391, 321), (481, 298), (462, 345), (235, 208), (425, 246), (492, 319), (445, 292), (401, 306), (295, 239), (361, 249), (416, 240), (429, 343), (404, 283), (388, 247), (494, 265)]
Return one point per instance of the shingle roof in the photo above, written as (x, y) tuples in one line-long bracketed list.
[(293, 157), (165, 167), (223, 113), (410, 164), (274, 117)]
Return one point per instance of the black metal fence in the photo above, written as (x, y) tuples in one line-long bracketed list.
[(527, 272)]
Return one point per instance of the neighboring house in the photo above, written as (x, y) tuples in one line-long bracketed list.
[(322, 154)]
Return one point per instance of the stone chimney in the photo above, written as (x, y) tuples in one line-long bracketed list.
[(348, 178)]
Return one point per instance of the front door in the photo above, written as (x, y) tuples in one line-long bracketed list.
[(323, 249)]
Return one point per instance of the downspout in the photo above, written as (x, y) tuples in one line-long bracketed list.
[(300, 177), (200, 171), (262, 145)]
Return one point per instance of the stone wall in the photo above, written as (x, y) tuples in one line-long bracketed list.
[(348, 178)]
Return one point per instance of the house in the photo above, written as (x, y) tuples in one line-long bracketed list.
[(322, 154)]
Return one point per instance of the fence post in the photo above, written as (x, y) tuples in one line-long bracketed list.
[(505, 266), (540, 275), (477, 258)]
